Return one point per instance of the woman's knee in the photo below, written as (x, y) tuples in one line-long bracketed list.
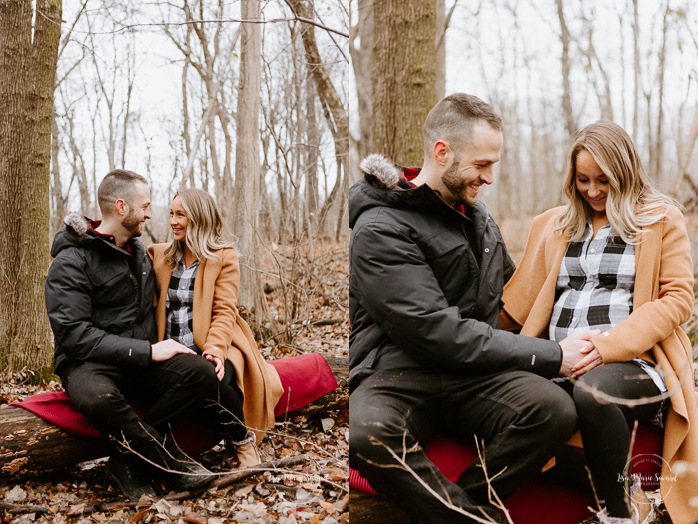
[(588, 397), (200, 374)]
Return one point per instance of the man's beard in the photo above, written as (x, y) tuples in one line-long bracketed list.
[(132, 224), (457, 186)]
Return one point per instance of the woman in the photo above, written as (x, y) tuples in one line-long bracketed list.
[(617, 258), (197, 278)]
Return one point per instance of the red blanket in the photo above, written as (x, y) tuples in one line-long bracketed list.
[(537, 502), (305, 378)]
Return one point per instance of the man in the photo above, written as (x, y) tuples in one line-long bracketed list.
[(427, 269), (99, 297)]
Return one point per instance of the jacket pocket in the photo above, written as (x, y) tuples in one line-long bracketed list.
[(114, 289)]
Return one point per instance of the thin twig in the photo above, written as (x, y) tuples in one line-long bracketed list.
[(213, 21), (402, 465)]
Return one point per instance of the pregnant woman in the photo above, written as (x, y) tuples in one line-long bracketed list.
[(197, 281), (616, 257)]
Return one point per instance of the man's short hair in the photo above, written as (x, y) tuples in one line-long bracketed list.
[(118, 184), (453, 118)]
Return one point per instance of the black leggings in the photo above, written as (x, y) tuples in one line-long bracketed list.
[(226, 410), (604, 426)]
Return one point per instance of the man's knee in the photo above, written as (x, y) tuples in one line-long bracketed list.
[(556, 411), (371, 433), (97, 401)]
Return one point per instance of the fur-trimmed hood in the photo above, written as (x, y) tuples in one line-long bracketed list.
[(377, 187), (380, 171), (73, 234), (78, 223)]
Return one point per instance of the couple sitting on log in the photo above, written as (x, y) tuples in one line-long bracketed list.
[(190, 356), (597, 302)]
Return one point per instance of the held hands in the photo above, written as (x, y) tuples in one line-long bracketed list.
[(591, 360), (579, 354), (167, 349), (220, 369)]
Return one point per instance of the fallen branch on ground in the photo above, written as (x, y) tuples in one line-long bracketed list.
[(221, 482)]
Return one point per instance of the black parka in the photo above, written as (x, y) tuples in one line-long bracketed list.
[(418, 298), (99, 300)]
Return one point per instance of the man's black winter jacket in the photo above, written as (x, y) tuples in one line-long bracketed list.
[(418, 298), (99, 300)]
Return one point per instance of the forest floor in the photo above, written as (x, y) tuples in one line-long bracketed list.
[(308, 298)]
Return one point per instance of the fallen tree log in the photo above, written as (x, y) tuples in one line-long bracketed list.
[(368, 509), (29, 445)]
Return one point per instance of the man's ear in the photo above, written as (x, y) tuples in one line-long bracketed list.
[(121, 207), (442, 153)]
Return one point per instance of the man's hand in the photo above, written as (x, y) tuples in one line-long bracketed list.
[(220, 369), (167, 349), (574, 348), (591, 360)]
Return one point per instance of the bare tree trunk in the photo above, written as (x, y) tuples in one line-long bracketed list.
[(636, 70), (361, 63), (440, 43), (602, 87), (247, 167), (403, 76), (333, 107), (28, 55), (58, 201), (659, 142), (443, 20), (570, 125), (312, 154)]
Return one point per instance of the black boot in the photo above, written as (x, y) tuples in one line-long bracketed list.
[(185, 473), (166, 461), (127, 476)]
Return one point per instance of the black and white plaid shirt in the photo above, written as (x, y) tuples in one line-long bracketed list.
[(595, 288), (180, 304), (595, 285)]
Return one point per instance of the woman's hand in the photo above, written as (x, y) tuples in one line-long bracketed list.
[(220, 369), (591, 360)]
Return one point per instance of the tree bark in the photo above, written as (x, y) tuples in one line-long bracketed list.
[(247, 162), (403, 76), (29, 445), (28, 56)]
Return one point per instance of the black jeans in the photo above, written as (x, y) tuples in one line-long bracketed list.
[(522, 419), (225, 411), (604, 427), (175, 390)]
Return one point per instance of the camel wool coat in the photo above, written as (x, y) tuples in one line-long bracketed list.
[(220, 331), (663, 300)]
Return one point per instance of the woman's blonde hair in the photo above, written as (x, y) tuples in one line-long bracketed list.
[(206, 231), (633, 202)]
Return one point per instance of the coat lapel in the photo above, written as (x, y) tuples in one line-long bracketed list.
[(539, 319), (204, 287), (163, 274)]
